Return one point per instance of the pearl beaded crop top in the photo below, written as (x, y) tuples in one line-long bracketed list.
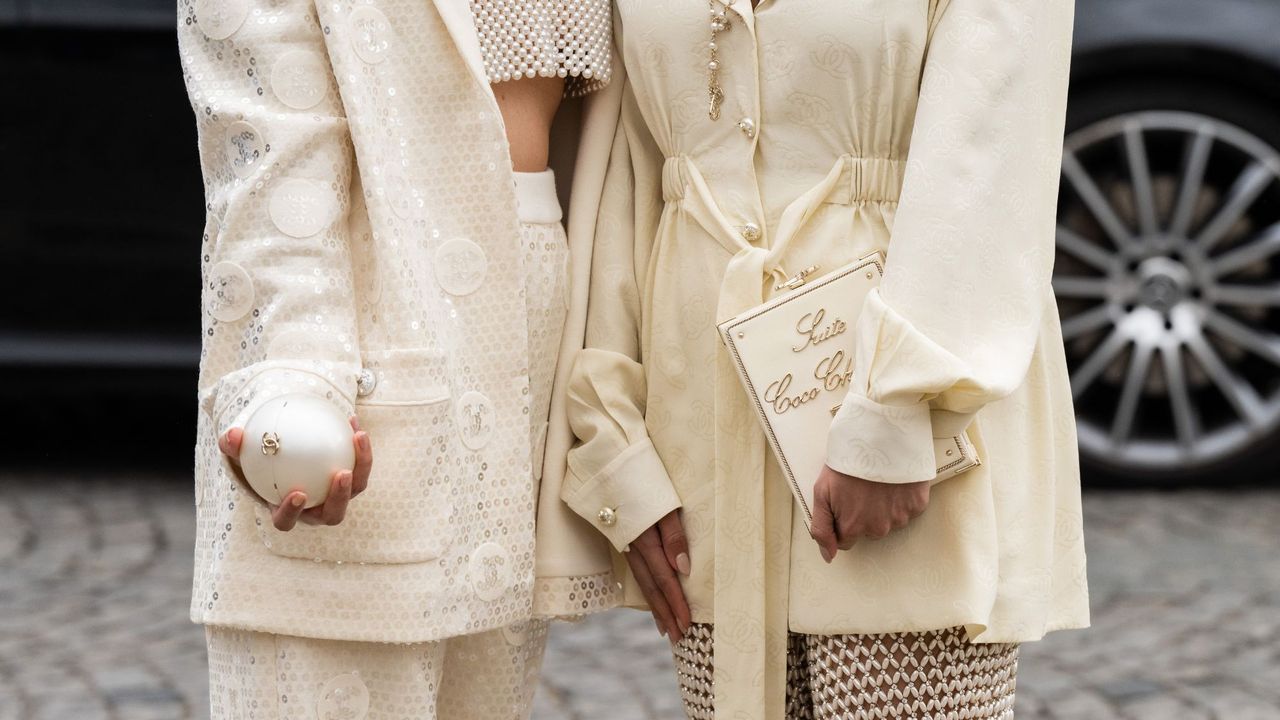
[(546, 38)]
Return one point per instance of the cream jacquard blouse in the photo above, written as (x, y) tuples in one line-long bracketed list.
[(930, 130)]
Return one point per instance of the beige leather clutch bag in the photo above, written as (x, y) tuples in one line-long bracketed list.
[(794, 355)]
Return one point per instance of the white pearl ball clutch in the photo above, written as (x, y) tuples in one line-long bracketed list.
[(295, 442)]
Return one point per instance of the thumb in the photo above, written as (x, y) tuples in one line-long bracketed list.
[(823, 526), (229, 443)]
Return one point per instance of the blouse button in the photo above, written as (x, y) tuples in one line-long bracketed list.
[(607, 516), (751, 232), (747, 126)]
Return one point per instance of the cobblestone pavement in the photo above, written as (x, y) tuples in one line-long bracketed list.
[(94, 576)]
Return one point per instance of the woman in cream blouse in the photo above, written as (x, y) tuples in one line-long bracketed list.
[(811, 132)]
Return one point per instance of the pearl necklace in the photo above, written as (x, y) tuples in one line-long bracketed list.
[(715, 94)]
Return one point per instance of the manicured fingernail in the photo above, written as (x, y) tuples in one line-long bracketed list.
[(355, 420), (363, 439), (682, 563), (662, 631), (826, 556), (344, 481), (298, 499)]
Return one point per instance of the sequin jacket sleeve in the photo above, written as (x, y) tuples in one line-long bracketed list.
[(616, 480), (546, 38), (278, 307), (959, 314)]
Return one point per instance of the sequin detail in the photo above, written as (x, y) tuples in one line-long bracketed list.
[(546, 38)]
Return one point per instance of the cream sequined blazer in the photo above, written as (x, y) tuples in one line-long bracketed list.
[(361, 245)]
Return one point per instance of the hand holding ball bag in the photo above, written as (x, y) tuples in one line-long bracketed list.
[(295, 442)]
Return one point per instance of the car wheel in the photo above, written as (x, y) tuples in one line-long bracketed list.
[(1167, 276)]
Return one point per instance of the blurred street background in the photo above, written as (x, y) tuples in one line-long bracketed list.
[(95, 573), (1167, 276)]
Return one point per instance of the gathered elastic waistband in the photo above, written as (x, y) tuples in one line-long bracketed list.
[(536, 199), (863, 179)]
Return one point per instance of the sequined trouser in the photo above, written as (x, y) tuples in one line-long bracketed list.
[(937, 675), (486, 676)]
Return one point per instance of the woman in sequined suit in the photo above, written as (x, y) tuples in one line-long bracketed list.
[(383, 232), (758, 137)]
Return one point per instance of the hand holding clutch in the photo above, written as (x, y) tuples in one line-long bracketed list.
[(319, 500), (846, 508)]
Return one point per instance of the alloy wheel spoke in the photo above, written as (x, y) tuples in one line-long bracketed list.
[(1184, 417), (1081, 249), (1239, 393), (1083, 322), (1257, 296), (1095, 201), (1246, 189), (1140, 174), (1266, 346), (1260, 248), (1134, 380), (1197, 159), (1098, 360)]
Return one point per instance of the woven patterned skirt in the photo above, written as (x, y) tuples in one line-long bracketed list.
[(936, 675)]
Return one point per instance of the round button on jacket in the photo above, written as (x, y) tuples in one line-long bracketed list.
[(370, 34), (300, 208), (230, 292), (490, 571), (461, 266), (475, 419), (245, 148), (366, 381), (220, 19), (343, 697), (300, 79)]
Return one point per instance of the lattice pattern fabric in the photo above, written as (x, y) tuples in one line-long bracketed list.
[(936, 675)]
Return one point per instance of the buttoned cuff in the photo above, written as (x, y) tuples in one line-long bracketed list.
[(883, 443), (627, 497)]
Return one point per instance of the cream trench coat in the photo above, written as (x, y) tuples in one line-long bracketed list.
[(930, 130), (361, 244)]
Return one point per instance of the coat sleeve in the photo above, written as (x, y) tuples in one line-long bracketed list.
[(616, 481), (278, 303), (956, 320)]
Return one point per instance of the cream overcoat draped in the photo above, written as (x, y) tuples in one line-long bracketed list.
[(930, 130), (361, 244)]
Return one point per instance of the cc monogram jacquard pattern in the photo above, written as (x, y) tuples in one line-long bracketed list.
[(362, 244), (929, 130)]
